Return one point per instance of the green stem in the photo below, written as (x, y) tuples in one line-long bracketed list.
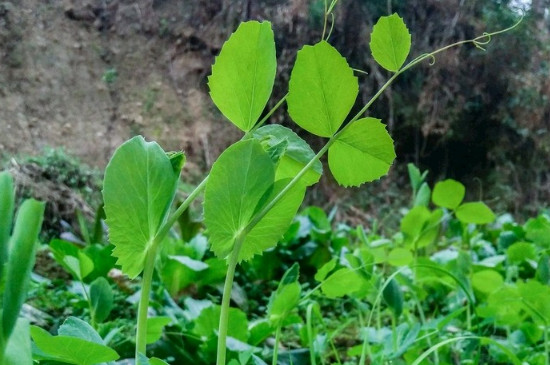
[(90, 305), (141, 332), (276, 347), (224, 315), (309, 324)]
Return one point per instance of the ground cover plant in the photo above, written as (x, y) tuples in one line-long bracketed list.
[(431, 293)]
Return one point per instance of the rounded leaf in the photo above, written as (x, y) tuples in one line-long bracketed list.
[(363, 152), (476, 213), (390, 42), (243, 74), (487, 281), (400, 257), (448, 194), (322, 89)]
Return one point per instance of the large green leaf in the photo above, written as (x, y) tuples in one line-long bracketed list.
[(475, 212), (71, 350), (138, 189), (238, 180), (322, 89), (296, 156), (390, 42), (18, 349), (362, 152), (243, 74), (7, 197), (20, 261), (448, 194)]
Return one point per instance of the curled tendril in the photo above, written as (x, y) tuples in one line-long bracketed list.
[(331, 26), (432, 59)]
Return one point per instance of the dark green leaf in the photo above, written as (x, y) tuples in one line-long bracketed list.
[(243, 74), (393, 296), (7, 197)]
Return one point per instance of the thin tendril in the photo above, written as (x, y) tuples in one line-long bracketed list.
[(331, 26)]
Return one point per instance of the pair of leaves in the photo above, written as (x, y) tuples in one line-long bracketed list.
[(77, 343), (241, 183), (139, 186), (322, 91), (450, 194)]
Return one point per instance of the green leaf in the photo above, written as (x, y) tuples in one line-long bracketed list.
[(521, 251), (101, 296), (155, 325), (206, 325), (322, 273), (297, 154), (20, 261), (344, 281), (393, 296), (18, 348), (322, 89), (400, 257), (7, 197), (285, 299), (238, 180), (487, 281), (274, 224), (390, 42), (422, 197), (414, 223), (448, 194), (362, 152), (72, 350), (476, 213), (75, 327), (230, 207), (538, 231), (243, 74), (543, 269), (138, 189)]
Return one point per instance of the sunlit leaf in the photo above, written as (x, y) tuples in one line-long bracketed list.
[(243, 74), (487, 281), (390, 42), (448, 194), (476, 213), (322, 89), (155, 325), (138, 189), (344, 281), (363, 152)]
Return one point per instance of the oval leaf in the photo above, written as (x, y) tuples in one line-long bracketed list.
[(487, 281), (390, 42), (243, 74), (476, 213), (322, 89), (101, 297), (448, 194), (363, 152), (400, 257), (297, 154), (238, 180), (138, 190)]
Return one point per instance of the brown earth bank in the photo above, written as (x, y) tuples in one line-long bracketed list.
[(89, 74)]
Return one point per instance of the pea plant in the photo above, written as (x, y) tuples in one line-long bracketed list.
[(255, 187)]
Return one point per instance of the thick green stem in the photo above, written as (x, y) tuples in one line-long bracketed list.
[(276, 347), (141, 333), (224, 315)]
